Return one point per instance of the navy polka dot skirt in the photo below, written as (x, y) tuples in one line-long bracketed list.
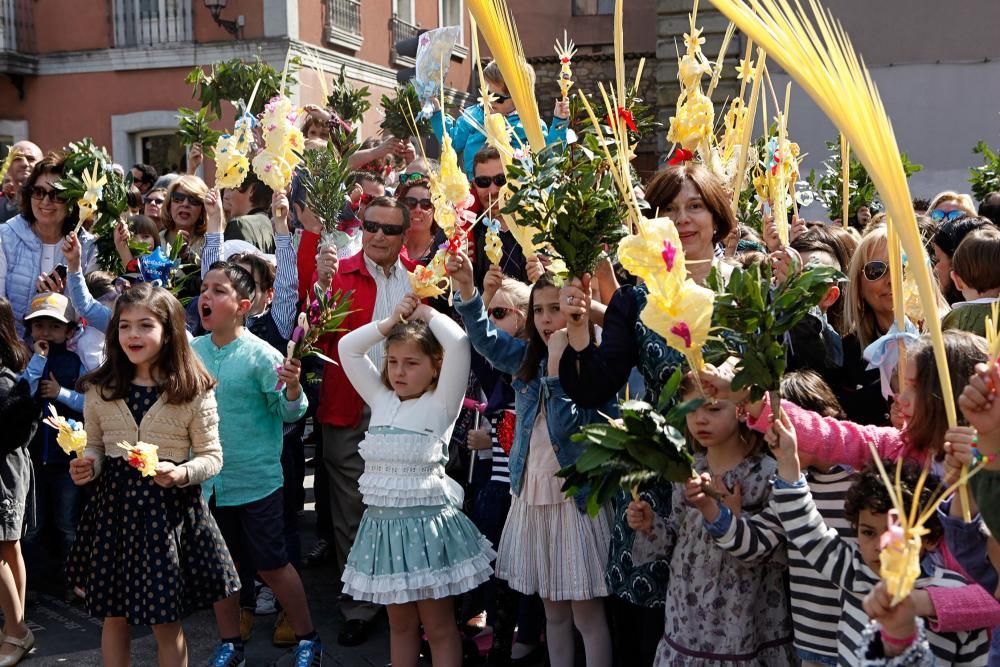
[(149, 554)]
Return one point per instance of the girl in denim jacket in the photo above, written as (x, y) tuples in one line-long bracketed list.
[(549, 545)]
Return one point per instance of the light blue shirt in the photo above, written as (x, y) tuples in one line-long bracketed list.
[(251, 413)]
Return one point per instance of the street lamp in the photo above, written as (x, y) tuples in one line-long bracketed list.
[(216, 7)]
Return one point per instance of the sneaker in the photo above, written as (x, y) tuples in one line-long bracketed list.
[(265, 602), (305, 654), (226, 656), (246, 623), (319, 554), (283, 633)]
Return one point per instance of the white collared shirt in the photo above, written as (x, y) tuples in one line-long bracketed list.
[(389, 291)]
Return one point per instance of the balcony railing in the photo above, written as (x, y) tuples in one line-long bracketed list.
[(17, 26), (151, 22), (342, 27), (400, 30)]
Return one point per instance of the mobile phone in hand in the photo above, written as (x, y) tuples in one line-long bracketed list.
[(60, 270)]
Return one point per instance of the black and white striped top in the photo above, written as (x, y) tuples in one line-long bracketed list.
[(815, 601), (841, 563)]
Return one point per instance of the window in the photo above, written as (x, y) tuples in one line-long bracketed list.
[(149, 22), (405, 11), (452, 12), (593, 7)]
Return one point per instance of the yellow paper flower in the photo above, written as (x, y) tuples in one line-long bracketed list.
[(746, 69), (429, 281), (692, 125), (493, 247), (683, 319), (93, 194), (273, 170), (142, 456), (70, 436), (900, 556), (655, 254)]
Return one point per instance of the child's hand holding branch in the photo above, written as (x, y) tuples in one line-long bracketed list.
[(639, 516), (289, 373), (784, 445), (404, 309)]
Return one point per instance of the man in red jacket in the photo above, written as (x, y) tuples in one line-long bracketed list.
[(379, 281)]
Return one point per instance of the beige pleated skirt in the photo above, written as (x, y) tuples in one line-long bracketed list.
[(555, 550)]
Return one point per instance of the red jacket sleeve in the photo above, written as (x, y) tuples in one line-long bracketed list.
[(306, 261)]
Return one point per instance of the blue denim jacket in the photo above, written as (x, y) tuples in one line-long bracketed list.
[(564, 416)]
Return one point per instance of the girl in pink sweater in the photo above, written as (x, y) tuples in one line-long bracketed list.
[(826, 441)]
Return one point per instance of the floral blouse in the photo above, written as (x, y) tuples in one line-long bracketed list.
[(721, 610)]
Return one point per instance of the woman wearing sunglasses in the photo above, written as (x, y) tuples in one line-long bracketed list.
[(868, 314), (424, 236), (31, 242), (467, 140), (183, 214)]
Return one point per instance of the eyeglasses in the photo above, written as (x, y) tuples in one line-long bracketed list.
[(413, 176), (874, 270), (152, 200), (484, 181), (412, 203), (376, 227), (937, 215), (180, 197), (499, 312), (500, 99), (40, 194)]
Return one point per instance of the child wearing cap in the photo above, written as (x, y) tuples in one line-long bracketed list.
[(52, 374)]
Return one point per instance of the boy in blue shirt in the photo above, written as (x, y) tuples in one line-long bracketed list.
[(247, 497)]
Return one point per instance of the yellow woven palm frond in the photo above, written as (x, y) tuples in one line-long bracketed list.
[(898, 294), (993, 330), (498, 29), (817, 53)]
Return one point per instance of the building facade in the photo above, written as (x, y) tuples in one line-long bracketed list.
[(114, 70)]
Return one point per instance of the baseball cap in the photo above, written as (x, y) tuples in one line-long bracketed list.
[(51, 304)]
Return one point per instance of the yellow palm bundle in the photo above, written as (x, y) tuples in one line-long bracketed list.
[(70, 436), (142, 456), (817, 53), (898, 295), (993, 330), (498, 29)]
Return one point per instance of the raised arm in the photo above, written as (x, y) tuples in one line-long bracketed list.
[(286, 280), (454, 377)]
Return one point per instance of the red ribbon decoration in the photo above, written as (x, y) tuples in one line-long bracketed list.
[(681, 156), (625, 115)]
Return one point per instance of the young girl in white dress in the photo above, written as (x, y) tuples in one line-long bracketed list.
[(414, 548)]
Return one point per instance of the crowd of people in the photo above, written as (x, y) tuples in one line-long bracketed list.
[(440, 425)]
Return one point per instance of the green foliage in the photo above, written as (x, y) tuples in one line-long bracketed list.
[(643, 116), (234, 80), (985, 179), (325, 313), (570, 196), (193, 128), (347, 101), (647, 445), (81, 156), (399, 113), (758, 315), (325, 176), (829, 187)]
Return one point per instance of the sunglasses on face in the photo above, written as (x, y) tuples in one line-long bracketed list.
[(376, 227), (414, 176), (499, 312), (40, 194), (484, 181), (500, 99), (874, 270), (937, 215), (180, 197), (412, 203), (153, 200)]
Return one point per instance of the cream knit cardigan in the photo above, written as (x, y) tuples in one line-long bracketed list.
[(181, 432)]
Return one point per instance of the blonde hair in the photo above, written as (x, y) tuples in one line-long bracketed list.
[(193, 186), (493, 75), (961, 200), (517, 292)]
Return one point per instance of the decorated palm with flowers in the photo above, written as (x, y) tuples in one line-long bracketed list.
[(142, 456), (70, 435), (324, 314), (427, 282), (326, 179), (231, 151), (283, 144)]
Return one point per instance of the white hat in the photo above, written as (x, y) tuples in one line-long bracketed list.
[(239, 246)]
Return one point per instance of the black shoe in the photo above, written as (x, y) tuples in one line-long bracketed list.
[(354, 633), (319, 554)]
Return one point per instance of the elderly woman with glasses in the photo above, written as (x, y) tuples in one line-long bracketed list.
[(183, 215), (424, 235), (31, 243)]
